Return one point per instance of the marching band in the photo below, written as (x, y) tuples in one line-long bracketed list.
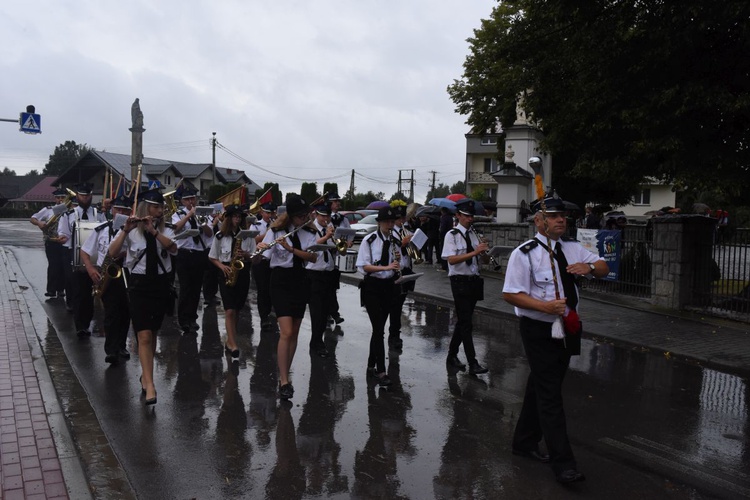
[(128, 259)]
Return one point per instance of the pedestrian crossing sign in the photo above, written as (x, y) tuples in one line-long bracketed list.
[(31, 123), (154, 184)]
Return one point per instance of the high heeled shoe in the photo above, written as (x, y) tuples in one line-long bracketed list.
[(151, 401), (143, 389)]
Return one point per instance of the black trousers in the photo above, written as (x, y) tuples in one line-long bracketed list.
[(542, 414), (462, 333), (116, 316), (262, 277), (55, 267), (67, 259), (334, 306), (191, 265), (83, 301), (211, 281), (394, 322), (378, 296), (322, 295)]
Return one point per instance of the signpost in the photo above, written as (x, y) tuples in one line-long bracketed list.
[(29, 122)]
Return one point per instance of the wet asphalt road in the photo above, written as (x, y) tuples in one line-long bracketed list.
[(641, 424)]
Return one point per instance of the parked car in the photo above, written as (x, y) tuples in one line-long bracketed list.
[(352, 217), (365, 212), (364, 227)]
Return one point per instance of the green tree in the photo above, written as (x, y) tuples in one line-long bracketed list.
[(399, 196), (331, 187), (309, 191), (459, 188), (440, 191), (33, 173), (64, 156), (622, 90), (8, 172)]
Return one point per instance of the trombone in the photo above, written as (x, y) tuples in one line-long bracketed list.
[(411, 249)]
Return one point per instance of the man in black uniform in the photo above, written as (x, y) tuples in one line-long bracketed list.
[(537, 272), (46, 220), (192, 261), (261, 268)]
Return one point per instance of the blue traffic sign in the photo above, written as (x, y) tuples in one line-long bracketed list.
[(31, 123), (154, 184)]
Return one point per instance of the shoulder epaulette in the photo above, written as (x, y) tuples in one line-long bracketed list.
[(371, 238), (455, 231), (169, 225), (529, 246), (102, 226), (70, 211), (567, 238), (219, 235), (310, 229)]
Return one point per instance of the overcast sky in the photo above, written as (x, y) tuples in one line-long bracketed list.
[(307, 90)]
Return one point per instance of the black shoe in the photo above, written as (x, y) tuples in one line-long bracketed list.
[(396, 345), (477, 369), (570, 476), (286, 391), (50, 295), (124, 353), (384, 380), (235, 353), (532, 454), (83, 333), (338, 319), (454, 362), (111, 358), (143, 389), (151, 401)]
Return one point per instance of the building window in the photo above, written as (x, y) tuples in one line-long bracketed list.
[(489, 165), (169, 180), (643, 198), (490, 193), (489, 141)]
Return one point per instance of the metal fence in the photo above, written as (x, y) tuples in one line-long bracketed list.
[(635, 266), (722, 279)]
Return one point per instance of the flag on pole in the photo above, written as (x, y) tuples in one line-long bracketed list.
[(234, 197), (266, 197)]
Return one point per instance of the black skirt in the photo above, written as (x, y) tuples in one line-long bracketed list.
[(149, 297), (289, 291), (234, 297)]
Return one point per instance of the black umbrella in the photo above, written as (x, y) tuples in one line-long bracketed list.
[(428, 211)]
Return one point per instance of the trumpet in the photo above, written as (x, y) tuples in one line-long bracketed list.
[(411, 249), (110, 270), (341, 245), (495, 264)]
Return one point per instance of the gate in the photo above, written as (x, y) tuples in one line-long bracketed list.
[(722, 284), (635, 266)]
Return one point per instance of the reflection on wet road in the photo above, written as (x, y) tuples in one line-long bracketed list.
[(639, 422)]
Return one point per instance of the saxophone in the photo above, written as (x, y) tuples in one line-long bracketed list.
[(236, 265), (111, 270)]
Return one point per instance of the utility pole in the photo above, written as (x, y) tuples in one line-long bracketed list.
[(351, 187), (213, 157), (409, 193), (411, 187), (433, 182)]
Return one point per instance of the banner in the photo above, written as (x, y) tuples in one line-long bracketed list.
[(607, 244)]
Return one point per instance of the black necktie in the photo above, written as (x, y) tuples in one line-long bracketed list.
[(296, 261), (568, 281), (469, 247), (325, 254), (85, 215), (384, 257), (152, 268)]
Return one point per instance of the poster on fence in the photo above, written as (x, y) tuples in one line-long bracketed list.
[(607, 245)]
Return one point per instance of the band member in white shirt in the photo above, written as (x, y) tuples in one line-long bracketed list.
[(322, 280), (261, 269), (226, 254), (53, 249), (147, 243), (287, 242)]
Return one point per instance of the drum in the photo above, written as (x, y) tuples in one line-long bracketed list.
[(83, 230), (347, 263)]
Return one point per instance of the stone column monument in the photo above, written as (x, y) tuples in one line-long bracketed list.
[(137, 130)]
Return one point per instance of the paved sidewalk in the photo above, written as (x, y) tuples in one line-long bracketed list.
[(708, 341), (38, 458)]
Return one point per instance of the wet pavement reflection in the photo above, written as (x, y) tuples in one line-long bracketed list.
[(639, 421)]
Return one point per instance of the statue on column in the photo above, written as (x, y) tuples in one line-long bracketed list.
[(136, 115)]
